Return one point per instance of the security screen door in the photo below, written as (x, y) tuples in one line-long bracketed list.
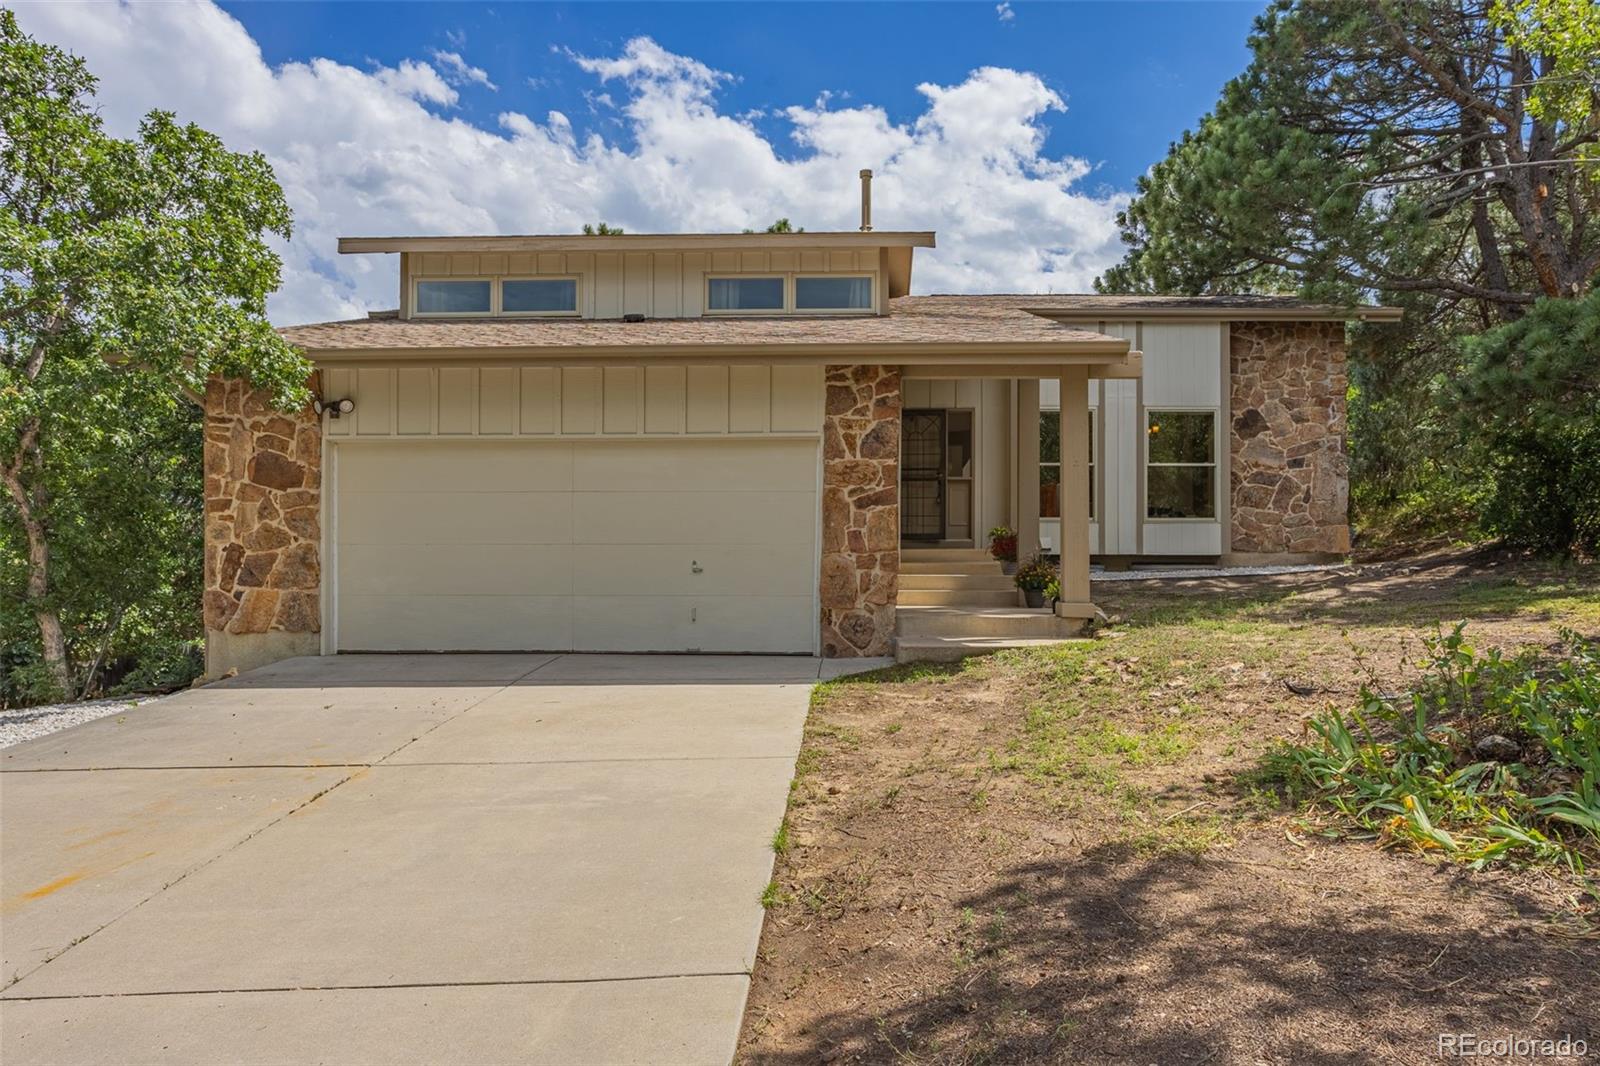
[(922, 496)]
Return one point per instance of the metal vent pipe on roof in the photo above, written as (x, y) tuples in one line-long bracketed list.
[(866, 201)]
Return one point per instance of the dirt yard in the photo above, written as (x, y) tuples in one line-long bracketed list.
[(1068, 856)]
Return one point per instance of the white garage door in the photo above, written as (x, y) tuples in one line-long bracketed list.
[(706, 545)]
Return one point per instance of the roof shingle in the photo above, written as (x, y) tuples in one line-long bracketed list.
[(952, 321)]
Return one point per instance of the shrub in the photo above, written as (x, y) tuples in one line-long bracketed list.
[(1003, 544), (1036, 573), (1490, 758)]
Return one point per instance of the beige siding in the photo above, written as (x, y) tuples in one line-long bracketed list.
[(542, 401), (654, 284), (1180, 364)]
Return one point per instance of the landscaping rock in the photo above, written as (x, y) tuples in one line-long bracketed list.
[(1497, 748)]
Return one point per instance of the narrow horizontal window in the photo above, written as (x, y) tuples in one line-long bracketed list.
[(539, 296), (453, 297), (833, 294), (1181, 464), (745, 294)]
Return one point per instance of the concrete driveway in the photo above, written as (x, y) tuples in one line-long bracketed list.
[(446, 858)]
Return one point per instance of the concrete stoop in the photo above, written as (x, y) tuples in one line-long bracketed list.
[(946, 633)]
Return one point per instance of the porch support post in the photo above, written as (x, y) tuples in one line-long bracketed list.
[(1074, 490), (1027, 468)]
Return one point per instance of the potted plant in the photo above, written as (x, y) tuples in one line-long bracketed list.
[(1033, 577), (1003, 546)]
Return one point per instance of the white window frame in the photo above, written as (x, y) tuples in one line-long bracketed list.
[(794, 293), (496, 308), (1215, 464), (754, 275), (498, 298), (789, 278), (494, 297), (1094, 452)]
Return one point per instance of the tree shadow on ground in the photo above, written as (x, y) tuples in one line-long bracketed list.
[(1121, 958)]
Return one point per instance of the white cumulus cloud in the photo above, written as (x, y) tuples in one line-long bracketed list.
[(459, 72), (383, 150)]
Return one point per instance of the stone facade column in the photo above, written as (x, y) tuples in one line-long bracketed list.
[(1290, 480), (263, 483), (860, 510)]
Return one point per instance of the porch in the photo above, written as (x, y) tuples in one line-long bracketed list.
[(971, 459)]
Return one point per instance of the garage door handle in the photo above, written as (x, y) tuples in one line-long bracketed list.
[(696, 568)]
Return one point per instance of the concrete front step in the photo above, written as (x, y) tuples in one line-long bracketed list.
[(1007, 623), (953, 567), (957, 597), (995, 580), (953, 649), (944, 555)]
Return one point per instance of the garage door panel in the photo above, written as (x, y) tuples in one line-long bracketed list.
[(436, 570), (591, 546), (694, 517), (717, 623), (458, 466), (455, 518), (455, 623), (621, 570), (744, 465)]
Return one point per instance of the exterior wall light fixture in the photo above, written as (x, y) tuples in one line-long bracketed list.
[(333, 408)]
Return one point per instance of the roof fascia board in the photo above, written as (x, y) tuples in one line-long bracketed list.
[(642, 242), (1220, 314), (1110, 351), (1131, 366)]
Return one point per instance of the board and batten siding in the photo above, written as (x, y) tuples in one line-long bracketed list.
[(1185, 367), (553, 402), (653, 284)]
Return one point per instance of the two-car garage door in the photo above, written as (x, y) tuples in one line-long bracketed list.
[(609, 545)]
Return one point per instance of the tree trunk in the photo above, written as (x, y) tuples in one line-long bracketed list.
[(52, 639), (50, 633)]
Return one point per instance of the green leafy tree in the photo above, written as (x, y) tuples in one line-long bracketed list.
[(131, 271), (602, 229)]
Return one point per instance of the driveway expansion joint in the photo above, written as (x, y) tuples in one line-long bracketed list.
[(278, 989)]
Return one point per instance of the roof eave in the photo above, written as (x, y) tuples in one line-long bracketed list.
[(1220, 314), (1088, 352), (639, 242)]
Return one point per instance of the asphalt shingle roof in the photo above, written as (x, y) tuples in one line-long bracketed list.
[(948, 320), (1005, 318)]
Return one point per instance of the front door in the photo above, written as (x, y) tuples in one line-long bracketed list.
[(922, 495)]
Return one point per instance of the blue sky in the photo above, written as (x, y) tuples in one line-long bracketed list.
[(1125, 102), (1016, 132)]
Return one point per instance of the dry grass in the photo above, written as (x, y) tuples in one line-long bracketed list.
[(1063, 856)]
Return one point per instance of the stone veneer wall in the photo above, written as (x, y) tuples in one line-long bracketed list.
[(860, 510), (263, 479), (1291, 475)]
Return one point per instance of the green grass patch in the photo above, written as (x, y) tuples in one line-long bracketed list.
[(780, 840)]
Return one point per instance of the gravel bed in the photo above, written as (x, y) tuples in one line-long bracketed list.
[(1152, 573), (25, 723)]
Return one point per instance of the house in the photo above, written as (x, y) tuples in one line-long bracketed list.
[(738, 442)]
